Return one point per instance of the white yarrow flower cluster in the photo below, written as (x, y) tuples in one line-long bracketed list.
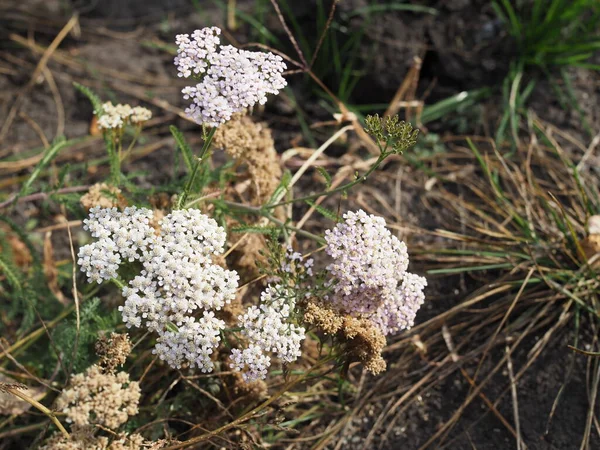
[(268, 329), (369, 277), (231, 80), (178, 281), (121, 236), (115, 117)]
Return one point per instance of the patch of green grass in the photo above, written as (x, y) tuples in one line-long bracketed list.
[(549, 35), (553, 32)]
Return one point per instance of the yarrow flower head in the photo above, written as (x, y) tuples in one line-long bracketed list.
[(231, 80), (269, 329), (368, 273), (178, 277), (121, 236), (115, 117)]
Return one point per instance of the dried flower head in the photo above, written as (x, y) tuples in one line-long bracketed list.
[(251, 144), (104, 196), (84, 438), (231, 80), (94, 397), (364, 342), (251, 391), (81, 438), (361, 339), (113, 351), (323, 317)]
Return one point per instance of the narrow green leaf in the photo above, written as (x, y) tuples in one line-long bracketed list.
[(183, 146), (325, 175), (49, 155), (255, 229), (323, 211), (281, 188), (91, 95), (394, 6), (10, 273)]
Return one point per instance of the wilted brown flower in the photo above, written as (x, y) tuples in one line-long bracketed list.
[(113, 351), (251, 144), (361, 339), (252, 391), (103, 195)]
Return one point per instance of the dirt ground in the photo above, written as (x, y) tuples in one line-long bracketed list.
[(117, 50)]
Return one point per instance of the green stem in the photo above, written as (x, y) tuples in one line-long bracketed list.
[(360, 179), (263, 213), (138, 131), (119, 283), (186, 191), (113, 157)]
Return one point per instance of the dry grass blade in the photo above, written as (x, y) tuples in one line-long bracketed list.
[(520, 220)]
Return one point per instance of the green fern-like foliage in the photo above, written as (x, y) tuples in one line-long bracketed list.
[(77, 348), (24, 291), (392, 134)]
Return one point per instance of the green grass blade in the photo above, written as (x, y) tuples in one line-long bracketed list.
[(374, 9), (49, 155)]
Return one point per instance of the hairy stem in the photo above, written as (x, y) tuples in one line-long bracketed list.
[(349, 185), (264, 213)]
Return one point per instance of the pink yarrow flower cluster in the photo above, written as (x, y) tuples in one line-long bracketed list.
[(231, 80), (369, 277)]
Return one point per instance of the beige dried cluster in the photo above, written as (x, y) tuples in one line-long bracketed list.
[(246, 255), (99, 398), (104, 196), (113, 351), (251, 144), (249, 391), (361, 339), (83, 438)]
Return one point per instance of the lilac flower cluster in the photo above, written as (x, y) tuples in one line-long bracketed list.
[(178, 278), (231, 80), (268, 328), (368, 271)]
